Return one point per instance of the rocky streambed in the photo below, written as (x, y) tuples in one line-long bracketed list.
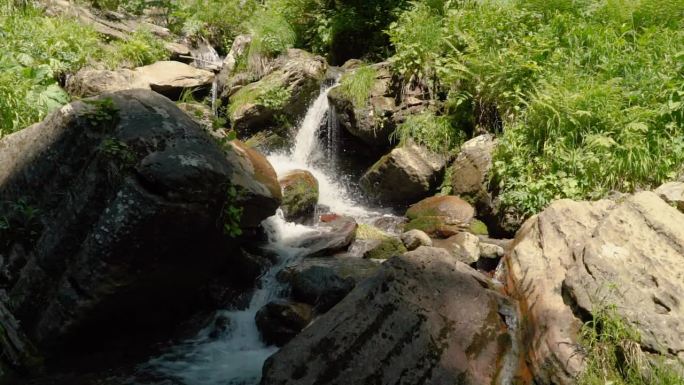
[(140, 245)]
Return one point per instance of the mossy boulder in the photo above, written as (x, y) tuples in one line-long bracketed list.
[(440, 216), (280, 97), (300, 195), (478, 227), (381, 244)]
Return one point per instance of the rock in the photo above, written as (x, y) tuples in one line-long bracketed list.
[(259, 192), (423, 317), (672, 193), (374, 121), (390, 223), (300, 195), (406, 174), (576, 257), (169, 78), (335, 233), (203, 115), (237, 51), (413, 239), (282, 95), (470, 170), (478, 227), (178, 52), (356, 269), (381, 245), (465, 247), (491, 251), (320, 286), (440, 216), (129, 192), (280, 321)]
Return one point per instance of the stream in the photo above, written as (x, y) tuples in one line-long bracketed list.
[(236, 357)]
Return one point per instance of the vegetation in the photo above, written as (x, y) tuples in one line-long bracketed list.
[(432, 131), (613, 354), (357, 85), (141, 49), (588, 94)]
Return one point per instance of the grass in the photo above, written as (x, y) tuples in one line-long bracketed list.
[(429, 130), (614, 356), (141, 49), (589, 94), (357, 85)]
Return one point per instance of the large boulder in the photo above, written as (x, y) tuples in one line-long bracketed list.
[(300, 195), (334, 233), (463, 246), (374, 120), (279, 321), (672, 193), (379, 244), (124, 194), (320, 286), (577, 257), (169, 78), (406, 174), (423, 318), (440, 216), (281, 96)]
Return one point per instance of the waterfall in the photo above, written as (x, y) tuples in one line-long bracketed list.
[(237, 356)]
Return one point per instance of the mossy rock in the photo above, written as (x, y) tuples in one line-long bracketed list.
[(385, 245), (478, 227), (300, 195), (440, 216)]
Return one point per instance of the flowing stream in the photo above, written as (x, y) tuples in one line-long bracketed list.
[(237, 355)]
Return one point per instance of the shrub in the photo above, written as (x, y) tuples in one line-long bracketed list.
[(141, 49)]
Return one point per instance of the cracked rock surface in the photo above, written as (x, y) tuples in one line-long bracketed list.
[(575, 257)]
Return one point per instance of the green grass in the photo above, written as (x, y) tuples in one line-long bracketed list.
[(589, 94), (427, 129), (358, 84), (141, 49), (614, 356)]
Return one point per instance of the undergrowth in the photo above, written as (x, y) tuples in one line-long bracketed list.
[(432, 131), (613, 354), (358, 84)]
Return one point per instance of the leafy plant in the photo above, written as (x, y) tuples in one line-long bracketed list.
[(142, 48), (19, 222), (274, 98), (231, 214), (357, 85), (101, 114)]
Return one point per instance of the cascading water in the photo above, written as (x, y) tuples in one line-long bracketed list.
[(236, 357)]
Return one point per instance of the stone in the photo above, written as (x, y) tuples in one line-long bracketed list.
[(300, 195), (238, 49), (491, 251), (440, 216), (381, 245), (259, 192), (356, 269), (470, 170), (672, 193), (413, 239), (281, 320), (463, 246), (423, 317), (334, 234), (576, 257), (130, 192), (406, 174), (320, 286), (169, 78), (283, 94)]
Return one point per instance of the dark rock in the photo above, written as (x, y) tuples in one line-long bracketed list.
[(280, 321), (423, 318), (335, 233), (320, 286)]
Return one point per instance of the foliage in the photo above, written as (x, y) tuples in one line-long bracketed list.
[(36, 51), (274, 98), (101, 114), (357, 85), (613, 354), (432, 131), (589, 94), (271, 33), (142, 48), (231, 214), (19, 222)]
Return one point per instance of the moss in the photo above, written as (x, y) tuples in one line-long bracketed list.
[(419, 212), (427, 224), (478, 227), (387, 248), (268, 91), (299, 198)]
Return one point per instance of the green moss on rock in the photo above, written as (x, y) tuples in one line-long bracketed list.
[(478, 227), (387, 245)]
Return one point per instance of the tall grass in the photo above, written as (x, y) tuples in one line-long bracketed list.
[(358, 84), (429, 130), (590, 93)]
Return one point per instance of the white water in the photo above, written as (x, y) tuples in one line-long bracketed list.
[(237, 356)]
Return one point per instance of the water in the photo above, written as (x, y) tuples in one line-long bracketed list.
[(236, 357)]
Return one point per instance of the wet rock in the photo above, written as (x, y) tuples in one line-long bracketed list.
[(406, 174), (390, 223), (356, 269), (282, 95), (381, 245), (130, 192), (168, 78), (334, 233), (422, 317), (258, 192), (281, 320), (374, 121), (576, 257), (300, 195), (440, 216), (672, 193), (320, 286), (413, 239)]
